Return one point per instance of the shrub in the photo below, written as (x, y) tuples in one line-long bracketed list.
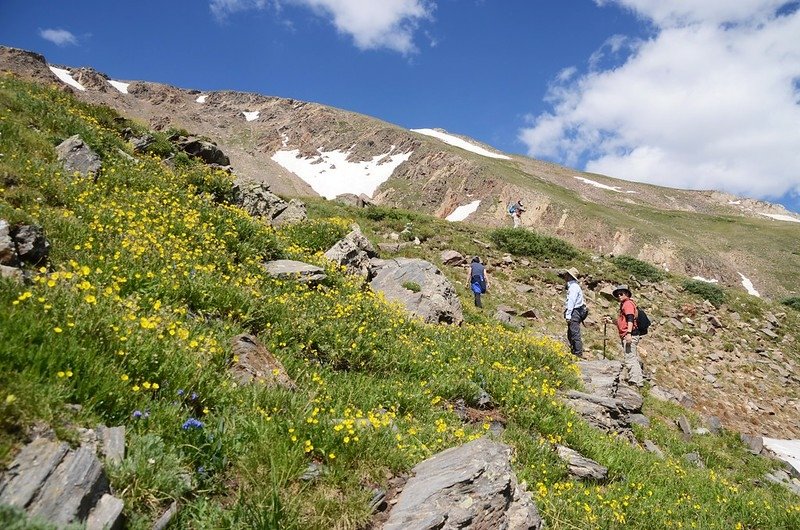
[(638, 268), (529, 243), (315, 235), (412, 286), (793, 302), (705, 290)]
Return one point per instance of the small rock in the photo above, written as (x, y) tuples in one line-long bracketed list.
[(754, 443), (694, 458)]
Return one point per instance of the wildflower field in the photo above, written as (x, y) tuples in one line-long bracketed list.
[(152, 271)]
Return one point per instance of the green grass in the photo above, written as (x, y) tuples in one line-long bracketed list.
[(151, 274)]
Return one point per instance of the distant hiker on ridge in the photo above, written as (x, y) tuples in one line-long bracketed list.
[(515, 211), (575, 311), (629, 334), (478, 279)]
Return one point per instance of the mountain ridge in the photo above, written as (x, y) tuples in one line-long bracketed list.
[(689, 232)]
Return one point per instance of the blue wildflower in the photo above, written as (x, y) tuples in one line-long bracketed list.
[(137, 414), (192, 423), (180, 391)]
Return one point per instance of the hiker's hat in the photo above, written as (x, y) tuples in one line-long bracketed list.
[(572, 272), (621, 288)]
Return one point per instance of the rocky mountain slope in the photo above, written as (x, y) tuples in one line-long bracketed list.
[(709, 234), (252, 382)]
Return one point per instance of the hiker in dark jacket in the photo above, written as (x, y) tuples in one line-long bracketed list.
[(478, 279), (575, 311), (629, 334)]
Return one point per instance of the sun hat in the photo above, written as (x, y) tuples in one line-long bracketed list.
[(571, 272), (619, 288)]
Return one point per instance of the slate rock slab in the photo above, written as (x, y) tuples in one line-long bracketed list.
[(469, 487), (580, 466), (287, 269)]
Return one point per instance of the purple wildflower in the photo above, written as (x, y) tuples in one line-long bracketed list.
[(137, 414)]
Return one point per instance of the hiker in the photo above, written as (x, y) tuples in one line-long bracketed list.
[(515, 210), (478, 279), (575, 311), (629, 334)]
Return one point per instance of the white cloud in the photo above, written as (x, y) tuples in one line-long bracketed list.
[(711, 101), (59, 37), (389, 24)]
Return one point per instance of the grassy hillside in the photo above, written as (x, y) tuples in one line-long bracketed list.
[(152, 272)]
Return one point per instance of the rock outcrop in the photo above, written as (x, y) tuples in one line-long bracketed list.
[(607, 403), (467, 487), (435, 300)]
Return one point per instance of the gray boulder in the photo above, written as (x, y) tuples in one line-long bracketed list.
[(351, 199), (436, 301), (32, 246), (77, 157), (471, 486), (451, 257), (287, 269), (354, 252), (206, 151), (294, 212)]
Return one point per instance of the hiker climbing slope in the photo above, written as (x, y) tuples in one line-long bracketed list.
[(478, 280), (629, 334)]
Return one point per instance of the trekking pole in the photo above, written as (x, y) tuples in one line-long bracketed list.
[(604, 338)]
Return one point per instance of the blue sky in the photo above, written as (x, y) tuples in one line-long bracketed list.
[(702, 96)]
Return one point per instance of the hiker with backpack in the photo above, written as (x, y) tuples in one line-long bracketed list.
[(515, 210), (575, 311), (628, 322), (478, 280)]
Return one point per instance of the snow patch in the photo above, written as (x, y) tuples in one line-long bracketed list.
[(780, 217), (735, 202), (250, 116), (464, 211), (66, 77), (119, 85), (331, 174), (596, 184), (748, 285), (700, 278), (787, 450), (202, 98), (458, 142)]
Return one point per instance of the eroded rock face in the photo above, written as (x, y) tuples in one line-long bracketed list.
[(32, 246), (8, 251), (469, 487), (77, 157), (436, 300)]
